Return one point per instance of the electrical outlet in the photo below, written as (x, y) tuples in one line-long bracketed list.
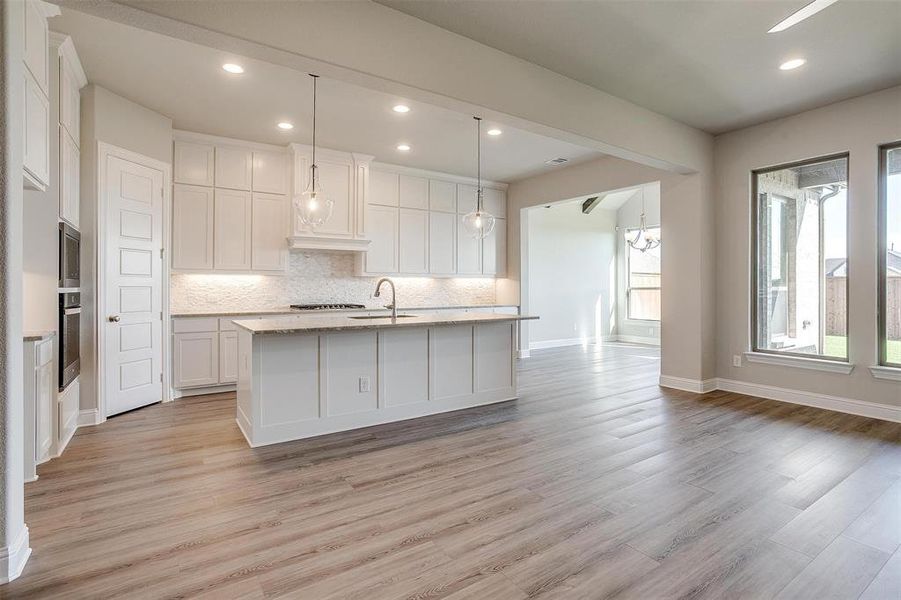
[(736, 360), (364, 385)]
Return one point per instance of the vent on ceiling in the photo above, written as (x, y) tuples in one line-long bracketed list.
[(556, 161)]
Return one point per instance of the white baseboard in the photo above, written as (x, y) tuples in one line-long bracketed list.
[(637, 339), (88, 417), (846, 405), (523, 353), (559, 343), (200, 391), (697, 386), (14, 557)]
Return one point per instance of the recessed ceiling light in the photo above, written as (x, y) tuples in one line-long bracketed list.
[(401, 108), (804, 13), (792, 64), (233, 68), (494, 132), (403, 147), (285, 125)]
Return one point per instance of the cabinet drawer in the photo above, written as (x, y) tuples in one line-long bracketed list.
[(195, 325)]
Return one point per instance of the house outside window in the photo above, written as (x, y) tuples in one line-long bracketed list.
[(800, 274), (643, 281), (889, 297)]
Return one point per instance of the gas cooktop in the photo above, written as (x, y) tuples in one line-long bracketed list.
[(327, 306)]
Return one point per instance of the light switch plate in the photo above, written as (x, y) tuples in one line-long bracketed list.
[(364, 385), (736, 360)]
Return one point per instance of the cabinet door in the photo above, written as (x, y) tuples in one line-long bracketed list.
[(469, 251), (270, 172), (44, 400), (68, 179), (192, 228), (413, 192), (466, 198), (194, 163), (37, 134), (69, 101), (442, 243), (37, 45), (270, 232), (442, 196), (337, 183), (383, 188), (228, 357), (495, 202), (494, 250), (231, 232), (196, 358), (234, 168), (381, 256), (414, 241)]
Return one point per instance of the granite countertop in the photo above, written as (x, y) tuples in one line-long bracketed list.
[(314, 323), (36, 335), (287, 310)]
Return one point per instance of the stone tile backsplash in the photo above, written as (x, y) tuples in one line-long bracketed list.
[(315, 277)]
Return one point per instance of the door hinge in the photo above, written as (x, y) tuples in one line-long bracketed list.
[(161, 315), (161, 378), (161, 253)]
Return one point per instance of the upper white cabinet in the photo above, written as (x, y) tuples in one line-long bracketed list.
[(36, 157), (37, 43), (442, 196), (71, 79), (413, 192), (414, 241), (382, 223), (384, 188), (442, 243), (69, 205), (233, 215), (66, 80), (466, 198), (270, 172), (495, 202), (234, 168), (494, 250), (194, 163), (469, 251)]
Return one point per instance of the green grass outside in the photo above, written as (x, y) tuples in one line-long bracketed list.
[(837, 345)]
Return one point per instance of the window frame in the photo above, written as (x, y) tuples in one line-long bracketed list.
[(755, 249), (881, 251), (629, 286)]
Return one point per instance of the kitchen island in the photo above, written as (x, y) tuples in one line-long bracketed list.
[(303, 376)]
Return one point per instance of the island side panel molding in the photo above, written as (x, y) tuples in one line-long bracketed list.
[(300, 385)]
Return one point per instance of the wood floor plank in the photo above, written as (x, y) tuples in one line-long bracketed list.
[(843, 570)]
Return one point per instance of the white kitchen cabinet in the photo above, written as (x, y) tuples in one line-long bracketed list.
[(466, 198), (234, 168), (442, 243), (381, 257), (413, 192), (70, 95), (270, 232), (228, 357), (442, 196), (469, 251), (384, 188), (38, 392), (196, 359), (192, 227), (67, 414), (270, 172), (232, 230), (494, 250), (495, 202), (36, 157), (413, 247), (194, 163), (69, 175), (37, 44)]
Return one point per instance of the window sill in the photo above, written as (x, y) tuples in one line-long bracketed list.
[(888, 373), (813, 364)]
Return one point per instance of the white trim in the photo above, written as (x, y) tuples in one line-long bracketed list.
[(697, 386), (104, 151), (402, 170), (524, 353), (560, 343), (835, 403), (14, 557), (66, 50), (88, 417), (307, 242), (888, 373), (181, 135), (797, 362), (202, 391), (637, 339)]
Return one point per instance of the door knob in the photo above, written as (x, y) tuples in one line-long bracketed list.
[(113, 318)]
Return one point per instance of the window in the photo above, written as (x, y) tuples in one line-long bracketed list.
[(643, 284), (800, 286), (890, 255)]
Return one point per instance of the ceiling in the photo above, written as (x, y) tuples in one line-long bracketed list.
[(185, 82), (709, 64)]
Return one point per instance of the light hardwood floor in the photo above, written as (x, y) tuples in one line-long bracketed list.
[(596, 483)]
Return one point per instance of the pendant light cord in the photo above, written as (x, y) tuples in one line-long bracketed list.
[(479, 165), (315, 77)]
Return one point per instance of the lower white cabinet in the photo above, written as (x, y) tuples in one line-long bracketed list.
[(196, 358), (40, 398), (228, 357), (67, 413), (413, 247)]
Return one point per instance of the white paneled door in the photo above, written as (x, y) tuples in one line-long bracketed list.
[(133, 344)]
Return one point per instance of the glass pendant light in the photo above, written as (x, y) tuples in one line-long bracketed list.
[(644, 240), (479, 224), (314, 206)]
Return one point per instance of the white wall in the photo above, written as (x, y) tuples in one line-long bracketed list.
[(857, 126), (106, 117), (571, 275), (629, 217)]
